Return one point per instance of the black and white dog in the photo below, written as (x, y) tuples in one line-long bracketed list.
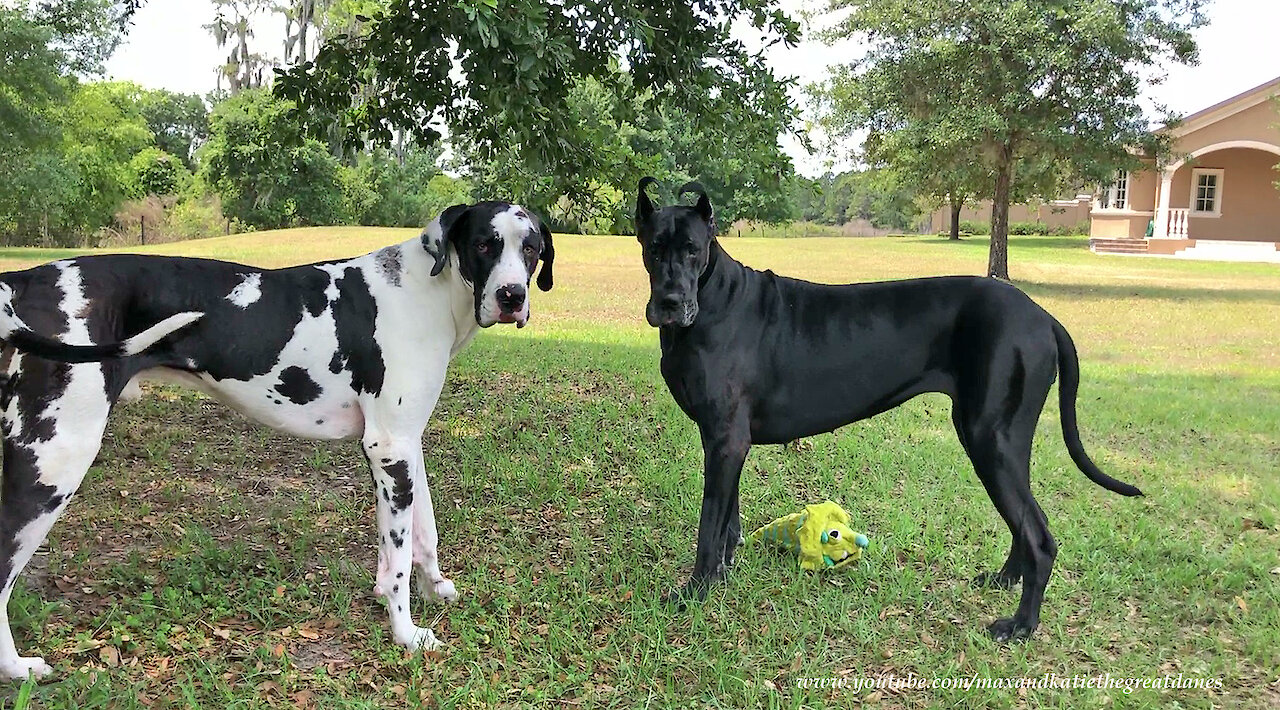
[(331, 350), (756, 358)]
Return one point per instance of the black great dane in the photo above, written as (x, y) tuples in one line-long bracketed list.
[(757, 358)]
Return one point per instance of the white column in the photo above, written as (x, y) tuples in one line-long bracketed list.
[(1161, 230)]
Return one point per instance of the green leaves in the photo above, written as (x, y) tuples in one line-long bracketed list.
[(266, 171), (518, 61)]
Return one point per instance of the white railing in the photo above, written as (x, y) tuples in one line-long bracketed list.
[(1178, 222)]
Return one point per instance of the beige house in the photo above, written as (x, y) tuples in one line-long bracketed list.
[(1218, 198)]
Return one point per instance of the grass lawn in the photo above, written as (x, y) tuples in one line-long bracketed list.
[(212, 563)]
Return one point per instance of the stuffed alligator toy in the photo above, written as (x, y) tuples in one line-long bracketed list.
[(820, 536)]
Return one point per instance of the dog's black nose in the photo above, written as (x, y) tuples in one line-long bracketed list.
[(511, 298), (670, 303)]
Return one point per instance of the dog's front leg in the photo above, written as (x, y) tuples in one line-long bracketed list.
[(390, 459), (725, 445)]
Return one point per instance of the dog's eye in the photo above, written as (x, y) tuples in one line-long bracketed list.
[(834, 534), (485, 248), (529, 250)]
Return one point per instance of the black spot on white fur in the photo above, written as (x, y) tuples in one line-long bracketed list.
[(298, 386), (355, 313), (401, 486)]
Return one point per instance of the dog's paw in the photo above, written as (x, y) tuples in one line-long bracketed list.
[(23, 667), (693, 591), (1010, 629), (995, 580), (418, 638), (441, 591)]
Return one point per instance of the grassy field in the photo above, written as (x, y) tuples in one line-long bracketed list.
[(212, 563)]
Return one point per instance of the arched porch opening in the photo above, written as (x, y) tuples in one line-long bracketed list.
[(1224, 191)]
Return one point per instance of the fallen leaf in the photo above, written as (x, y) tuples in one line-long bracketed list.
[(1240, 603), (88, 645), (109, 656), (223, 634)]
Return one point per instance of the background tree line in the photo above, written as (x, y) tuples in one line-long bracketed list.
[(89, 159), (384, 111)]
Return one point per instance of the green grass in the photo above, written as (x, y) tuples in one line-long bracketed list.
[(211, 563)]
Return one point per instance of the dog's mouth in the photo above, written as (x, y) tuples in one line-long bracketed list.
[(520, 319), (681, 315)]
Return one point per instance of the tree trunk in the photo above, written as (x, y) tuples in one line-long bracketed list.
[(956, 205), (998, 262)]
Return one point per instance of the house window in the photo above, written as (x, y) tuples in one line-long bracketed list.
[(1206, 192), (1116, 195)]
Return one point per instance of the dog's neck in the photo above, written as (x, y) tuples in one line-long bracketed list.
[(418, 263)]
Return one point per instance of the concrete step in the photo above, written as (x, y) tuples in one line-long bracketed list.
[(1229, 250), (1118, 246)]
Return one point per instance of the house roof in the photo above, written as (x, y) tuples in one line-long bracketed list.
[(1229, 107)]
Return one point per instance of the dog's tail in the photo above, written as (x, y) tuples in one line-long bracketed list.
[(1069, 368), (18, 334)]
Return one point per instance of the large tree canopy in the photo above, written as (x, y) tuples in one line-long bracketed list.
[(500, 73), (1037, 88), (619, 136)]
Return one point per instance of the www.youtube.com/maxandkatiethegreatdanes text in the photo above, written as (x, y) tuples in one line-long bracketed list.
[(1104, 681)]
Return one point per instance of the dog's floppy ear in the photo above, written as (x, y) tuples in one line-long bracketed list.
[(703, 205), (548, 258), (437, 244), (644, 208)]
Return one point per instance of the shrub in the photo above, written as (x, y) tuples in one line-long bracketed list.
[(267, 172), (203, 217), (1027, 228), (167, 219), (154, 172), (975, 227)]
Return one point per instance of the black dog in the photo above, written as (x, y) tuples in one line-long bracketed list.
[(756, 358)]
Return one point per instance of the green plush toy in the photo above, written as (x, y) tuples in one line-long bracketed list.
[(820, 536)]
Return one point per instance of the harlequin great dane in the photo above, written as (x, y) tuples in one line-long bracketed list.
[(328, 351), (756, 358)]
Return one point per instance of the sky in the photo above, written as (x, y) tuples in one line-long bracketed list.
[(169, 48)]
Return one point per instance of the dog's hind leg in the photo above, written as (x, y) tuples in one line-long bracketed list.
[(430, 581), (53, 419), (1011, 572), (733, 533), (999, 444)]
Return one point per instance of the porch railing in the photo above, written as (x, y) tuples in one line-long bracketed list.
[(1178, 222)]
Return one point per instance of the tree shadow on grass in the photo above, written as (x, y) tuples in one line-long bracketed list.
[(1100, 292)]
